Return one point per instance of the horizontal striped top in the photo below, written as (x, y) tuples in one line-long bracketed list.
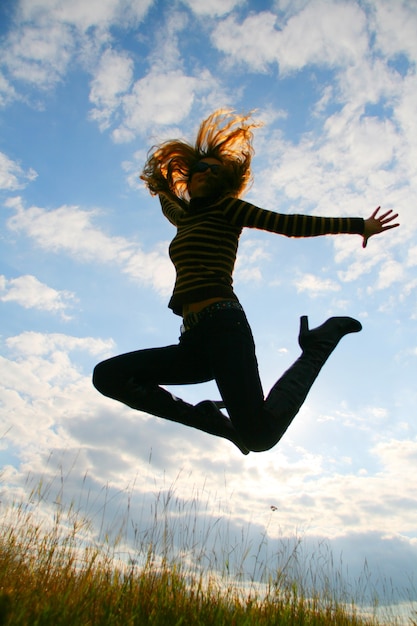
[(204, 249)]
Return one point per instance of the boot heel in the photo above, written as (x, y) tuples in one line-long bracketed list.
[(303, 325), (325, 338)]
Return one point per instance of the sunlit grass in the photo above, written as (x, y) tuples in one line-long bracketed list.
[(53, 572)]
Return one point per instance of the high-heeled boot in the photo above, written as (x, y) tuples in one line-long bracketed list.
[(288, 394), (205, 415)]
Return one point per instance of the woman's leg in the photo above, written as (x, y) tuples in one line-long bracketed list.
[(135, 378), (228, 345), (289, 392), (231, 353), (221, 347)]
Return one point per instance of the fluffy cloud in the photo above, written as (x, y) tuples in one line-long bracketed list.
[(158, 98), (41, 385), (30, 293), (112, 79), (395, 27), (316, 286), (332, 34), (237, 42), (12, 176), (212, 7), (50, 34), (71, 230), (7, 91), (39, 55), (164, 99), (353, 155), (84, 15), (164, 96), (249, 261)]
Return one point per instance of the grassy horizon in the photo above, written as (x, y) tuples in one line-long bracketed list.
[(54, 571)]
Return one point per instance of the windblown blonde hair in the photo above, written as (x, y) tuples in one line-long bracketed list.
[(224, 135)]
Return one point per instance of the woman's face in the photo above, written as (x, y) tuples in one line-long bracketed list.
[(206, 178)]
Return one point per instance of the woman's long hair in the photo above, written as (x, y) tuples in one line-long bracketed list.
[(224, 135)]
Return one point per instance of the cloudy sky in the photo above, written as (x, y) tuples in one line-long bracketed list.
[(86, 88)]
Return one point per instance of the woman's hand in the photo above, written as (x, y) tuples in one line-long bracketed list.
[(378, 224)]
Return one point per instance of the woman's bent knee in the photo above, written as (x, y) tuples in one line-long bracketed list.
[(260, 437), (102, 379)]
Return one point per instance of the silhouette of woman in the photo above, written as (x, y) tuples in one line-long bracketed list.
[(199, 188)]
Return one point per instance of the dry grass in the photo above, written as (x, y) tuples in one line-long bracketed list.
[(52, 573)]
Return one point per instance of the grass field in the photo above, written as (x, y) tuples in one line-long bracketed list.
[(53, 572)]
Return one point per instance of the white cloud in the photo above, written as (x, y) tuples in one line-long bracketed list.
[(7, 91), (12, 176), (50, 34), (331, 34), (68, 229), (412, 256), (390, 272), (152, 268), (237, 41), (213, 7), (405, 114), (358, 264), (41, 385), (156, 99), (165, 53), (112, 79), (249, 260), (39, 55), (164, 96), (165, 99), (372, 81), (132, 169), (323, 33), (71, 230), (351, 156), (363, 144), (30, 293), (396, 26), (315, 285), (84, 15), (39, 344), (397, 456)]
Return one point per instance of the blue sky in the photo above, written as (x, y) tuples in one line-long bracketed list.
[(85, 90)]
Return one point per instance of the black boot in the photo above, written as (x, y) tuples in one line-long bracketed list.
[(205, 416), (213, 421), (288, 394), (321, 341)]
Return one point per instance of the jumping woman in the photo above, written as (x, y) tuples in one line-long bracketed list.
[(199, 188)]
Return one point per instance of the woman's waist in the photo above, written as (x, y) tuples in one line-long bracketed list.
[(207, 310), (192, 298), (196, 307)]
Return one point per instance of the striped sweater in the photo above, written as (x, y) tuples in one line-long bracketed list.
[(204, 249)]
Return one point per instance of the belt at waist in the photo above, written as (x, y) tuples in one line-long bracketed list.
[(192, 319)]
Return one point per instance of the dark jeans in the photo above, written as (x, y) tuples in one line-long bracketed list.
[(221, 348)]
